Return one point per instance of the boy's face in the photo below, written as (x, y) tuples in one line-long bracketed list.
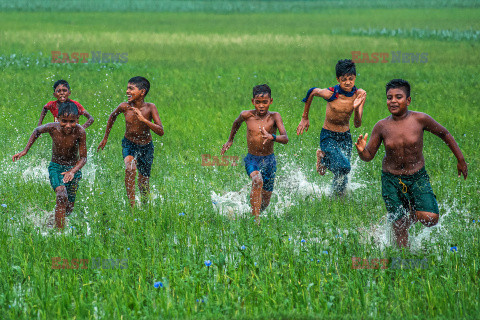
[(61, 93), (134, 93), (397, 101), (262, 102), (347, 82), (68, 122)]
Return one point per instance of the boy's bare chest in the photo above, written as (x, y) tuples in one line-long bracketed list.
[(403, 134), (65, 141), (255, 124), (342, 104), (131, 116)]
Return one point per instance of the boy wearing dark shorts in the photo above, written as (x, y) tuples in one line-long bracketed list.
[(69, 155), (137, 145), (335, 138), (406, 187), (61, 91), (260, 161)]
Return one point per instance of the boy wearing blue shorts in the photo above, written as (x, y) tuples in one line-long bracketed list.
[(406, 187), (69, 155), (137, 145), (335, 138), (260, 164)]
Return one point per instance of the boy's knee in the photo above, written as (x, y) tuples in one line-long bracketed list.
[(257, 180), (61, 193), (428, 219), (130, 164)]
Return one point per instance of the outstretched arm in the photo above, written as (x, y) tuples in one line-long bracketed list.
[(282, 138), (156, 126), (110, 122), (82, 150), (440, 131), (42, 116), (367, 152), (358, 104), (305, 123), (90, 120), (36, 133), (236, 125)]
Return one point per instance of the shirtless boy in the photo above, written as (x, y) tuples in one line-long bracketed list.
[(137, 143), (260, 161), (61, 91), (406, 187), (335, 138), (69, 155)]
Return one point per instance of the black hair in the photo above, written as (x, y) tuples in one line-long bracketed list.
[(67, 107), (262, 89), (398, 83), (345, 67), (140, 83), (61, 82)]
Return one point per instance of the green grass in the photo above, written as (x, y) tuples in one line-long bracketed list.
[(202, 68)]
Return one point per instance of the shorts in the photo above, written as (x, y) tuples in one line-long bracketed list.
[(56, 179), (267, 165), (403, 193), (143, 154)]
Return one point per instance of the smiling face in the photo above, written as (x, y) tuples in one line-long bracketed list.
[(347, 82), (262, 102), (68, 122), (134, 93), (397, 101), (61, 93)]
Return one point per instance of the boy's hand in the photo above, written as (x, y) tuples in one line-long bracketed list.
[(139, 115), (304, 124), (68, 176), (265, 135), (361, 142), (362, 95), (226, 146), (462, 169), (18, 156), (102, 145)]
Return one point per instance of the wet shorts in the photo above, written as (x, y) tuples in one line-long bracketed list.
[(267, 165), (143, 154), (404, 192), (56, 179)]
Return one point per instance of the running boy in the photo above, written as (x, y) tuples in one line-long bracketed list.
[(260, 161), (61, 91), (406, 187), (137, 143), (69, 155), (335, 138)]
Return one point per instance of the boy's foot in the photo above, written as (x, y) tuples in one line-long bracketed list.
[(321, 169)]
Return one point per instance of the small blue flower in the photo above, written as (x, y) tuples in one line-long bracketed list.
[(181, 214), (108, 228), (243, 247), (135, 220), (128, 248), (101, 192), (214, 202), (4, 205), (198, 300), (158, 284), (318, 260), (289, 239), (311, 259), (11, 218), (474, 221), (208, 263), (454, 249), (255, 264), (303, 241), (325, 252)]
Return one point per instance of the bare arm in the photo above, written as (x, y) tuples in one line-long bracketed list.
[(282, 138), (305, 123), (42, 116), (358, 104), (236, 125), (110, 122), (156, 126), (90, 120), (37, 132), (440, 131), (82, 150), (367, 152)]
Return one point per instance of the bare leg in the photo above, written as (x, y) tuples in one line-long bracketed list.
[(69, 208), (265, 199), (321, 169), (60, 207), (400, 230), (130, 172), (428, 219), (144, 187), (256, 194)]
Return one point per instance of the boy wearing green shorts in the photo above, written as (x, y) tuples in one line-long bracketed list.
[(69, 155), (406, 187)]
